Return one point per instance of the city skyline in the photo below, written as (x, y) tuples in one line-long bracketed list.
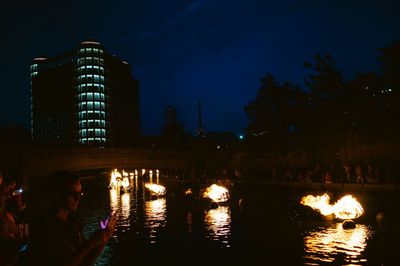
[(184, 52)]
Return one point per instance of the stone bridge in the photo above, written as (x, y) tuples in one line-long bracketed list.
[(41, 161)]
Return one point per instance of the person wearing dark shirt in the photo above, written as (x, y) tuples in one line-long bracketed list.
[(10, 233), (56, 237)]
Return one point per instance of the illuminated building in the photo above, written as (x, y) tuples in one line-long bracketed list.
[(85, 96)]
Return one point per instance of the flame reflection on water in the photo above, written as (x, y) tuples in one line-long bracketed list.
[(125, 209), (155, 211), (114, 194), (120, 204), (218, 223), (328, 244)]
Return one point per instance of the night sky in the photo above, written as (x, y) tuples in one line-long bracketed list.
[(214, 51)]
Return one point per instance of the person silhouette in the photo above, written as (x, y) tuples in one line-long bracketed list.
[(56, 238)]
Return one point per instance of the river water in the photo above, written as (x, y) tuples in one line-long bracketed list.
[(270, 225)]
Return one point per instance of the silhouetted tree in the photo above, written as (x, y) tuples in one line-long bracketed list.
[(373, 99), (327, 81), (362, 101), (326, 87), (285, 117), (390, 90), (275, 116), (390, 61)]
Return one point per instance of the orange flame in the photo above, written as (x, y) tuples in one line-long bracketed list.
[(115, 176), (216, 193), (125, 183), (156, 189), (346, 208)]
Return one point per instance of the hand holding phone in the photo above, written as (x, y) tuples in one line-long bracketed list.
[(104, 223), (109, 222)]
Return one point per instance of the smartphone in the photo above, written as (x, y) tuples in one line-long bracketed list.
[(23, 248), (104, 223), (18, 191)]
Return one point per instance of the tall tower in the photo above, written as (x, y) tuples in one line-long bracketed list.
[(85, 96), (92, 95)]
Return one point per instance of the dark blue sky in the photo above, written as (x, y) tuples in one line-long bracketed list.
[(184, 51)]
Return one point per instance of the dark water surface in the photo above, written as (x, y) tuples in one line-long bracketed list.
[(270, 226)]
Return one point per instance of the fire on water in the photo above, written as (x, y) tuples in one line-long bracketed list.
[(115, 179), (158, 190), (346, 208), (216, 193)]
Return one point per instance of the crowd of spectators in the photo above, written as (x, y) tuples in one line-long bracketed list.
[(370, 173)]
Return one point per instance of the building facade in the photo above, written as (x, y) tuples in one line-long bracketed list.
[(85, 96)]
